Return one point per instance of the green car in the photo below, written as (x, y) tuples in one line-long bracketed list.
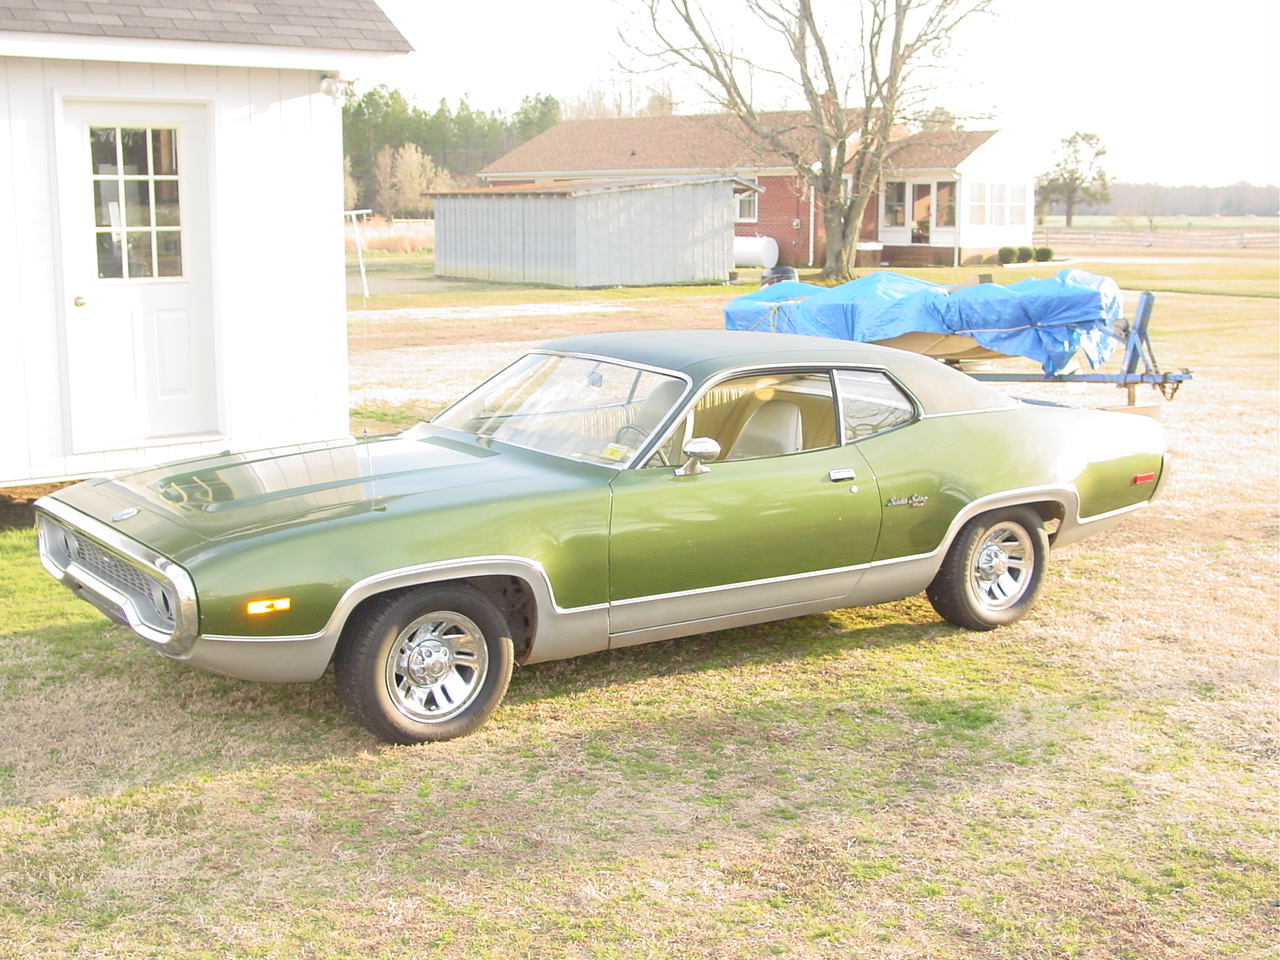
[(601, 491)]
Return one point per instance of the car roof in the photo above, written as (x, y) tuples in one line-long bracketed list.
[(704, 354)]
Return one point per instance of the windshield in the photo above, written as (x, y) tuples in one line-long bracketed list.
[(577, 407)]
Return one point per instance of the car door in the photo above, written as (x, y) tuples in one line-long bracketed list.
[(773, 525)]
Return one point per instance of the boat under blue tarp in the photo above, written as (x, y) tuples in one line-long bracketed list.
[(1047, 320)]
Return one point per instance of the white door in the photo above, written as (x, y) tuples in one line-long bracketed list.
[(137, 283)]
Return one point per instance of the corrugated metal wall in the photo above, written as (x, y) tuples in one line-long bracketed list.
[(673, 233)]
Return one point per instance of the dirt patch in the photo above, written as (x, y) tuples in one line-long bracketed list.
[(390, 329), (16, 504)]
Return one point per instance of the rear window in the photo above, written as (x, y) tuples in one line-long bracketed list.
[(944, 390)]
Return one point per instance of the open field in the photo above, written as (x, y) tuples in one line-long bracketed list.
[(1097, 781), (1172, 223)]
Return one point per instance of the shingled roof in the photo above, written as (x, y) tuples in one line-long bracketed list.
[(704, 142), (320, 24), (691, 144), (935, 150)]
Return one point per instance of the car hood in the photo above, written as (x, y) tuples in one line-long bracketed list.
[(173, 506)]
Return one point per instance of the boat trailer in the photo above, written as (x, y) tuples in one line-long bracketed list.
[(1138, 364)]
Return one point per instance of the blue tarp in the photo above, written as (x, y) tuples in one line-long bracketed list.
[(753, 311), (1045, 320)]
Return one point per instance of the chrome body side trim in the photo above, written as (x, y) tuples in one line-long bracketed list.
[(1088, 526), (777, 595), (559, 633)]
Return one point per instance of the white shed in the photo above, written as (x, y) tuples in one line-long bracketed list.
[(171, 243), (593, 233)]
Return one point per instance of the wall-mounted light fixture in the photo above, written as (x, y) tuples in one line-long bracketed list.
[(331, 85)]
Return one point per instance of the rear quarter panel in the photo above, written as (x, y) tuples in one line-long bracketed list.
[(956, 459)]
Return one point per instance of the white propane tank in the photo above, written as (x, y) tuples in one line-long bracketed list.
[(755, 252)]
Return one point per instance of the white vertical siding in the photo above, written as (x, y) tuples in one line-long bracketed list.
[(676, 233), (277, 257)]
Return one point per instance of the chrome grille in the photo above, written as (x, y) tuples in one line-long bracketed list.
[(152, 595)]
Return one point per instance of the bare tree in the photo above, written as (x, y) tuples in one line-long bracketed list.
[(1078, 178), (601, 104), (857, 84)]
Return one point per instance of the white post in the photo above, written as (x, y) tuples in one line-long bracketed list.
[(355, 226)]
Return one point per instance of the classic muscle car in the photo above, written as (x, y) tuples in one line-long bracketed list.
[(601, 491)]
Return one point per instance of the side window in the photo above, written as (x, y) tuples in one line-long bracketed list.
[(762, 415), (870, 403)]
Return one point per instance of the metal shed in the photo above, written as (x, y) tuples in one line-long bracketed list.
[(590, 233)]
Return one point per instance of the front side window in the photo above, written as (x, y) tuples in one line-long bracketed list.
[(870, 403), (759, 415), (578, 407), (137, 217)]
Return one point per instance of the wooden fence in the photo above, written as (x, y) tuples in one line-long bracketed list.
[(1164, 239)]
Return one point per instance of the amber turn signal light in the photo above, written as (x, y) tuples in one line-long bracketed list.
[(268, 606)]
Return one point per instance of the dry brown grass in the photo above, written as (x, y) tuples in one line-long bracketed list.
[(1097, 781)]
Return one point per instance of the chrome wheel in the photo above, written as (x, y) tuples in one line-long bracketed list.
[(425, 664), (437, 666), (1002, 566), (993, 570)]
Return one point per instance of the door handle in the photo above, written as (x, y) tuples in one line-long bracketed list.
[(79, 301), (836, 476)]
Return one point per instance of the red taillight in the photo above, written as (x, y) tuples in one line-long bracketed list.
[(1144, 478)]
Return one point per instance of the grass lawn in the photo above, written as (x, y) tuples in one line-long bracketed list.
[(1096, 781)]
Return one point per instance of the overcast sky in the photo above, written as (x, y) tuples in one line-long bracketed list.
[(1180, 93)]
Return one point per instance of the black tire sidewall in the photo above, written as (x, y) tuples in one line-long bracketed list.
[(361, 662), (952, 593)]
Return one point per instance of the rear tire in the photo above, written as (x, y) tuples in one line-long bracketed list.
[(993, 571), (431, 664)]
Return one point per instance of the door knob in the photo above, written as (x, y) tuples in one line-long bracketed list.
[(79, 301)]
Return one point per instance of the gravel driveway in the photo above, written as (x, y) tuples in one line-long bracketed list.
[(432, 376)]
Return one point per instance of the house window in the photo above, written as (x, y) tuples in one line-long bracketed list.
[(946, 204), (137, 226), (978, 204), (895, 203), (921, 211), (748, 203), (998, 204), (1018, 205)]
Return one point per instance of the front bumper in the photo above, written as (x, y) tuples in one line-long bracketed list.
[(125, 579), (134, 586)]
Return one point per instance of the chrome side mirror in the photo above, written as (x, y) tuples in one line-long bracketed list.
[(700, 451)]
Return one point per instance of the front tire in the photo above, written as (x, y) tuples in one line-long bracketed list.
[(993, 571), (428, 665)]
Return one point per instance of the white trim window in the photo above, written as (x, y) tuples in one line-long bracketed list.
[(895, 203), (921, 205), (998, 204), (748, 203)]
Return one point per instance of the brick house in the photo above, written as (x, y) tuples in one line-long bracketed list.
[(947, 197)]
